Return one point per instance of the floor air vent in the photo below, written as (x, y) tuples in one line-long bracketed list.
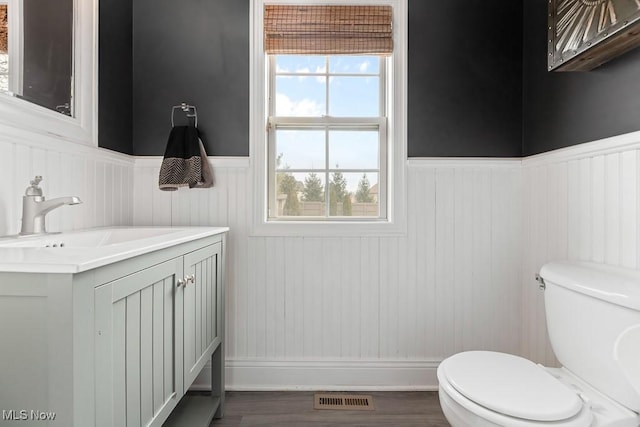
[(343, 402)]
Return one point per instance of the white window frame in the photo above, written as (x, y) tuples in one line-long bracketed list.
[(395, 97), (377, 123)]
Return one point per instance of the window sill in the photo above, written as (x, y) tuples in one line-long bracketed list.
[(328, 229)]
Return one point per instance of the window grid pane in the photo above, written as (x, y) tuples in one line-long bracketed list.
[(345, 180), (304, 192), (306, 86)]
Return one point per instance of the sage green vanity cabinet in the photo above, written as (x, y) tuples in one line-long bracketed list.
[(201, 298), (137, 347), (119, 345)]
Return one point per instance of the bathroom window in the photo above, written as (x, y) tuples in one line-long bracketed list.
[(331, 149), (327, 137)]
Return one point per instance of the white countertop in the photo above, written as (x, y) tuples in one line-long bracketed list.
[(88, 249)]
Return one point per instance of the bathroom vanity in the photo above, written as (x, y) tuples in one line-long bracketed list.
[(110, 327)]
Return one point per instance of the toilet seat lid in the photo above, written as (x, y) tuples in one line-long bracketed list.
[(511, 385)]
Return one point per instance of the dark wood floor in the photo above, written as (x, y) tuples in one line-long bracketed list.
[(296, 409)]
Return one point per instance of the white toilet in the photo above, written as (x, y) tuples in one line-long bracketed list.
[(593, 318)]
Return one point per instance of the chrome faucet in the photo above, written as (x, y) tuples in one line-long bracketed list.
[(34, 208)]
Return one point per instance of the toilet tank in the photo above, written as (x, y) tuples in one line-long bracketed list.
[(588, 307)]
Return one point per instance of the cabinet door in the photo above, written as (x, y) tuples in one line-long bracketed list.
[(202, 298), (138, 371)]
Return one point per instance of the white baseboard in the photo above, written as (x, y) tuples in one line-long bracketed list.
[(247, 375)]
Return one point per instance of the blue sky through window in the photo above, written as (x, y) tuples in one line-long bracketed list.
[(353, 91)]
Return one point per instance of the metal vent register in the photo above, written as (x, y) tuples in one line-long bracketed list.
[(344, 402)]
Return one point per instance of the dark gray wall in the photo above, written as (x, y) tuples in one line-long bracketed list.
[(115, 121), (563, 109), (48, 47), (196, 51), (465, 78), (472, 90)]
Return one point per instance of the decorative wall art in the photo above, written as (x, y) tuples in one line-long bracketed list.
[(584, 34)]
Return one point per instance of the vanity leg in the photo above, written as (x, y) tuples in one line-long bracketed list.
[(217, 378)]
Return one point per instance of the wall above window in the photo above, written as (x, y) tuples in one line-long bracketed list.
[(462, 101), (466, 93)]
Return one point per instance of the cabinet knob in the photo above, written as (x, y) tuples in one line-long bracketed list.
[(191, 278), (181, 282)]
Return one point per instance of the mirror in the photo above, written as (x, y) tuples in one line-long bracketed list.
[(36, 52), (73, 47)]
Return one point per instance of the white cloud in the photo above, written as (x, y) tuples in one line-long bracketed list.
[(364, 67), (321, 70), (280, 70), (286, 107), (303, 70)]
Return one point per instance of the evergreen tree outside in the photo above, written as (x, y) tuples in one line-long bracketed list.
[(333, 200), (346, 205), (313, 189), (280, 175), (362, 193), (340, 183), (292, 205), (287, 183)]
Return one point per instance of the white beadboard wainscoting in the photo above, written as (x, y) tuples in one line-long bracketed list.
[(101, 178), (369, 312), (362, 312), (580, 203)]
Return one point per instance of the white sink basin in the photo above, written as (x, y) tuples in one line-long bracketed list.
[(78, 251), (87, 239)]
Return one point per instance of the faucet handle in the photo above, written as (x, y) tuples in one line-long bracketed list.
[(33, 189)]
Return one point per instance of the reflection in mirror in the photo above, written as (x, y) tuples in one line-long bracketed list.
[(4, 48), (36, 52)]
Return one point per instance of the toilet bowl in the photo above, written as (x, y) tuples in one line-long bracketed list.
[(487, 389), (593, 319)]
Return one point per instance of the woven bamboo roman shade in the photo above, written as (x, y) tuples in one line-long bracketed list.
[(4, 29), (328, 30)]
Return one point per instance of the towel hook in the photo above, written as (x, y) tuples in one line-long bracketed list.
[(186, 108)]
